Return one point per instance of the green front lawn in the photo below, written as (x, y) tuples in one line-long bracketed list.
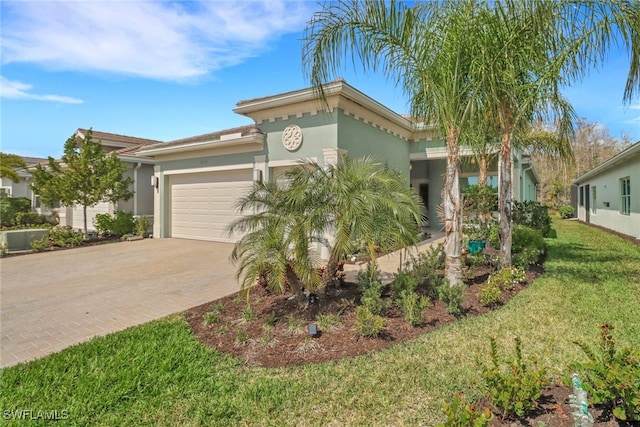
[(158, 374)]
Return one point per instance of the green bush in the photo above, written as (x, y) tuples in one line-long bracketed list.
[(368, 324), (507, 278), (566, 211), (412, 306), (532, 214), (119, 224), (404, 281), (461, 414), (514, 389), (490, 295), (425, 268), (453, 296), (142, 226), (10, 207), (612, 376), (30, 219), (372, 298), (63, 237), (527, 244)]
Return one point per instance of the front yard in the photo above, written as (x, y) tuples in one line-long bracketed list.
[(159, 374)]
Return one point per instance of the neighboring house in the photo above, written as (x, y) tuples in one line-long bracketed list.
[(139, 168), (21, 188), (198, 179), (609, 194)]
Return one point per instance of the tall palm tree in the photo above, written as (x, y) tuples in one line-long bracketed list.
[(8, 165), (531, 47), (427, 52), (342, 207)]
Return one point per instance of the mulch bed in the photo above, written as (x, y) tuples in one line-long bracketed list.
[(279, 345)]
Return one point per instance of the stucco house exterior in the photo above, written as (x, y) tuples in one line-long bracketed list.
[(21, 188), (139, 168), (609, 194), (197, 180)]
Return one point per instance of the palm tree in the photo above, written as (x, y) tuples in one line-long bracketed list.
[(342, 207), (8, 165), (530, 48), (427, 51)]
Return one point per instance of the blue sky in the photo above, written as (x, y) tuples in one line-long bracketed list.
[(170, 70)]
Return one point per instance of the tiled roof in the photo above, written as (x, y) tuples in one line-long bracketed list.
[(97, 135)]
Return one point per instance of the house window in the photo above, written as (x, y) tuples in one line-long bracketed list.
[(582, 195), (625, 194), (594, 200), (6, 191)]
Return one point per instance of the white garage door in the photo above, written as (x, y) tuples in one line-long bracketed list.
[(77, 215), (203, 204)]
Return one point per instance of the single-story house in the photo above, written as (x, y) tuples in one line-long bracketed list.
[(197, 180), (609, 194), (22, 187), (139, 168)]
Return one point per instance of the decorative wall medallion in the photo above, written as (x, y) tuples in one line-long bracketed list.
[(292, 137)]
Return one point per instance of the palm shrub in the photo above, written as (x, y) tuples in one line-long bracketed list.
[(611, 376), (338, 207)]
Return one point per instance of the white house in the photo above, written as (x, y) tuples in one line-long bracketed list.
[(609, 194)]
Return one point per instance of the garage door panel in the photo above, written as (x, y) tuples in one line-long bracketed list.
[(203, 204)]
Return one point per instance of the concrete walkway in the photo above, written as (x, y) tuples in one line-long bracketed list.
[(50, 301), (389, 264)]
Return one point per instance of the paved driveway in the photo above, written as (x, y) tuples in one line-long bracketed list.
[(50, 301)]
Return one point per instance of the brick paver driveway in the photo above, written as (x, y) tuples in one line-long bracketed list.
[(52, 300)]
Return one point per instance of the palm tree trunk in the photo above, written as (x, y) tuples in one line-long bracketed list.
[(452, 211), (482, 165), (504, 201), (294, 283)]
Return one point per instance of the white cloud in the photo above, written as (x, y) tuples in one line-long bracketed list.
[(17, 90), (161, 40)]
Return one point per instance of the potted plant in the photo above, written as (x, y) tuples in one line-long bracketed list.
[(477, 236)]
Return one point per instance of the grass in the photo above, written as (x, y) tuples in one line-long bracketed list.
[(158, 374)]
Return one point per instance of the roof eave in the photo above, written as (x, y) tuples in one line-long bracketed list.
[(634, 150), (256, 138)]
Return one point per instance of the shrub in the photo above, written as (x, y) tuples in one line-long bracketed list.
[(566, 211), (507, 278), (368, 324), (371, 284), (66, 236), (10, 207), (142, 226), (119, 224), (404, 281), (425, 268), (372, 298), (460, 414), (412, 306), (514, 389), (30, 218), (532, 214), (527, 244), (490, 295), (453, 296), (612, 376)]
